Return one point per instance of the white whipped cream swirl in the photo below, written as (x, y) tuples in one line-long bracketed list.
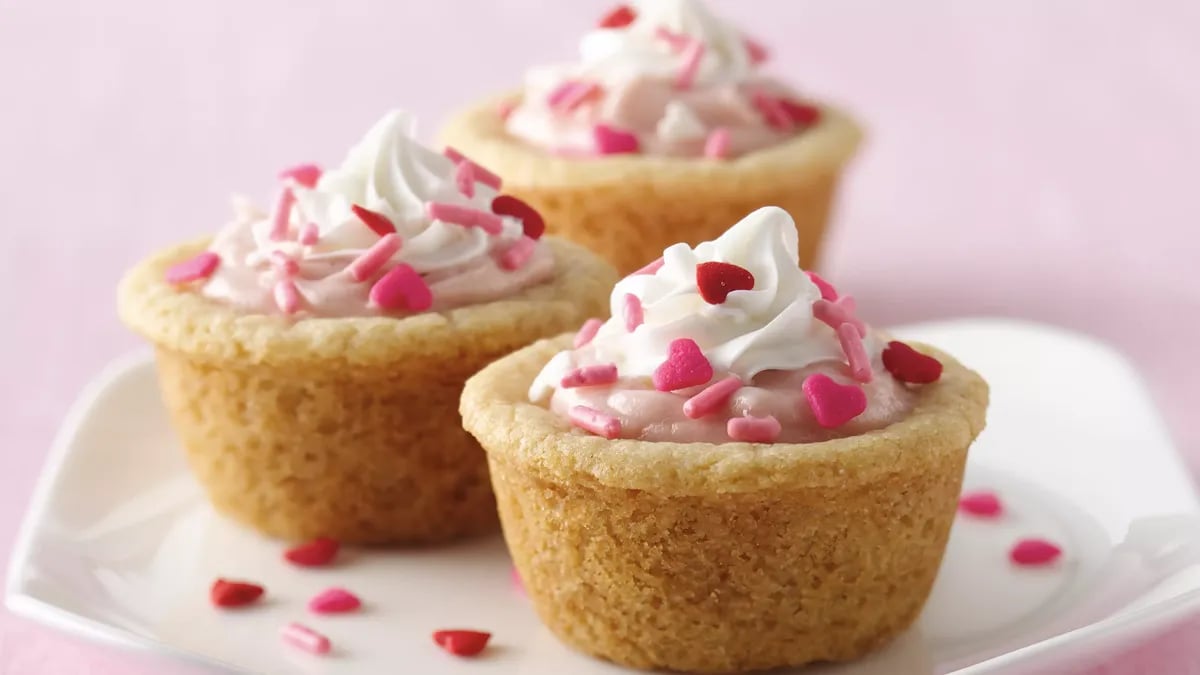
[(770, 327), (638, 50), (390, 173)]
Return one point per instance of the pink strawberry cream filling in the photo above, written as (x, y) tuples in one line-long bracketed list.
[(732, 341), (396, 229), (664, 78)]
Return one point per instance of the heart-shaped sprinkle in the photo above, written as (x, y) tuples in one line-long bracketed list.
[(315, 553), (618, 17), (802, 115), (909, 365), (833, 404), (379, 223), (613, 141), (462, 642), (334, 601), (225, 593), (1034, 552), (587, 332), (686, 366), (984, 504), (531, 220), (305, 175), (716, 280), (753, 429), (196, 268), (828, 292), (402, 289)]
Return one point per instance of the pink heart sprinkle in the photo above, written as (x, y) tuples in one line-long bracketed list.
[(402, 288), (833, 404), (613, 141), (517, 582), (984, 503), (334, 601), (1034, 552), (201, 266), (686, 366)]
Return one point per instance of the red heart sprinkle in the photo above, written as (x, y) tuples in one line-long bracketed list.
[(833, 404), (618, 17), (984, 504), (686, 366), (716, 280), (909, 365), (315, 553), (379, 223), (462, 642), (1034, 552), (234, 593), (402, 288), (828, 292), (803, 114), (531, 220)]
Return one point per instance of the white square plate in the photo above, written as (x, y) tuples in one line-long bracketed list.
[(119, 545)]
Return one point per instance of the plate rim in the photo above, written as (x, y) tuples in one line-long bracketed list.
[(1161, 615)]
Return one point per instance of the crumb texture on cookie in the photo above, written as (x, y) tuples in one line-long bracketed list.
[(628, 208), (724, 558), (343, 428)]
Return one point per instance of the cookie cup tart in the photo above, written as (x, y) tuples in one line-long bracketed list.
[(641, 144), (312, 372), (811, 531)]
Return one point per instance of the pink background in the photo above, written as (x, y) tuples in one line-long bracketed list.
[(1027, 158)]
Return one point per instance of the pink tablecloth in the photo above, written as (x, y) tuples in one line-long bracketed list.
[(1027, 158)]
